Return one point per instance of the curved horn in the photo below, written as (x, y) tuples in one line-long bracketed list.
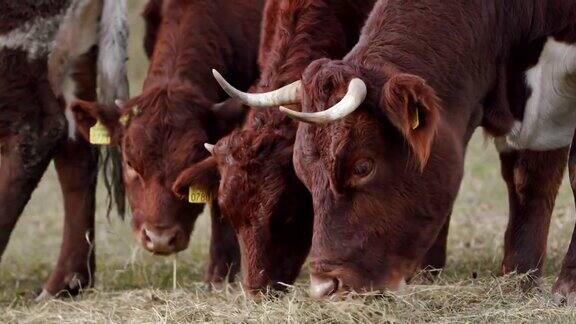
[(351, 101), (287, 95), (209, 148)]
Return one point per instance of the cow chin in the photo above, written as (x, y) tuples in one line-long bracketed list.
[(271, 266), (272, 254)]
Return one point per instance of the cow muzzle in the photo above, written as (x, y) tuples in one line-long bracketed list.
[(339, 283), (163, 241), (322, 286)]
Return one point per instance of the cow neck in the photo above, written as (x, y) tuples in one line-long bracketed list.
[(198, 81), (174, 97), (290, 51), (458, 55), (290, 47), (184, 52)]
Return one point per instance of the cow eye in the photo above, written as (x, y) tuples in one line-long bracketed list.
[(363, 168)]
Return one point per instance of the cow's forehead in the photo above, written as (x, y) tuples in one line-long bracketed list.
[(159, 145), (341, 138)]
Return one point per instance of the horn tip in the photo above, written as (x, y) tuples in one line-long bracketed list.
[(209, 147), (220, 79)]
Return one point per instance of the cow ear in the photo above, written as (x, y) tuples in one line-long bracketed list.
[(413, 107), (203, 176), (88, 113)]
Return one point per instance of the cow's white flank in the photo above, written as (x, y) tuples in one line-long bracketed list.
[(550, 116)]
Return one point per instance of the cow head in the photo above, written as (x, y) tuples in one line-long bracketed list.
[(268, 206), (383, 170), (160, 133), (258, 191)]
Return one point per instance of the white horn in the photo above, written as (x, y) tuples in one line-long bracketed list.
[(351, 101), (209, 148), (119, 103), (287, 95)]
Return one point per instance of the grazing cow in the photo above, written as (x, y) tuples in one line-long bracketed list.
[(163, 129), (385, 162), (52, 52), (259, 192)]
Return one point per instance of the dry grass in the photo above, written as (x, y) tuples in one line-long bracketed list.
[(132, 286), (485, 300)]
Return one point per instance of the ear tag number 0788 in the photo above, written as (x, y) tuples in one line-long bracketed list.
[(197, 196)]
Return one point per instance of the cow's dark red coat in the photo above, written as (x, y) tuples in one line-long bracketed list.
[(383, 189), (177, 113), (269, 207)]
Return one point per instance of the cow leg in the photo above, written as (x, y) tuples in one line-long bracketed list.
[(565, 286), (435, 259), (77, 166), (23, 163), (76, 163), (533, 180), (224, 251), (24, 157)]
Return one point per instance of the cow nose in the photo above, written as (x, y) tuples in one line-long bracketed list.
[(322, 286), (161, 241)]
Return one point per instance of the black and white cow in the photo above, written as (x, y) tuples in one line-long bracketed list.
[(53, 52)]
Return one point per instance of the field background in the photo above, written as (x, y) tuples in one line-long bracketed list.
[(133, 286)]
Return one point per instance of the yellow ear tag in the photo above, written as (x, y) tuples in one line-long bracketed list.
[(124, 120), (416, 120), (197, 196), (99, 135)]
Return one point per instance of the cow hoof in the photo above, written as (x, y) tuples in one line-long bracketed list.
[(424, 277), (530, 284), (564, 291), (214, 286), (43, 296), (217, 277), (70, 286)]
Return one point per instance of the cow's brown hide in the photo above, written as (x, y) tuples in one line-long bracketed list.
[(177, 112), (379, 204)]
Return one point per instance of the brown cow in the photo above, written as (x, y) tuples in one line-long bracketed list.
[(177, 113), (52, 52), (384, 164), (274, 222)]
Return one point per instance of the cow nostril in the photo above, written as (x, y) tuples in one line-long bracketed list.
[(173, 240), (323, 286), (145, 236)]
